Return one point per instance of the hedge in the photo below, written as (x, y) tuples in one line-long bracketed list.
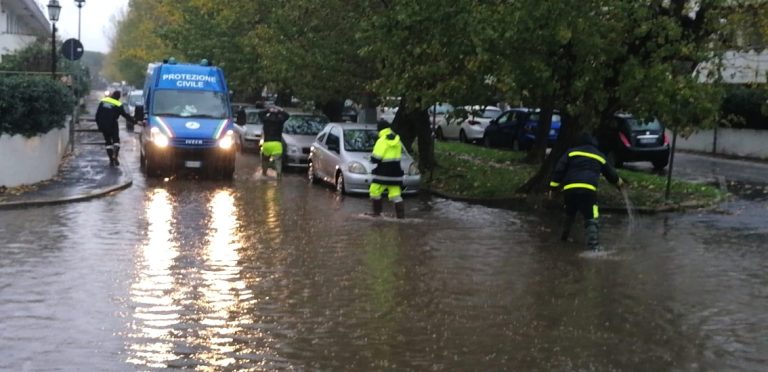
[(31, 106), (744, 107)]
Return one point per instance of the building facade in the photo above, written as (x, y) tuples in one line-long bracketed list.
[(21, 22)]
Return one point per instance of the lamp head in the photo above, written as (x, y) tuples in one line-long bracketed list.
[(53, 10)]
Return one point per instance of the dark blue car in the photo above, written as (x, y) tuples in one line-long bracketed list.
[(516, 128)]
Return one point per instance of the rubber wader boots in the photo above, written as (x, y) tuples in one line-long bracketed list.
[(279, 166), (264, 164), (117, 152), (567, 227), (593, 235), (111, 154), (399, 210), (377, 206)]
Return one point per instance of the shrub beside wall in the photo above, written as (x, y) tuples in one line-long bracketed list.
[(30, 106), (745, 108)]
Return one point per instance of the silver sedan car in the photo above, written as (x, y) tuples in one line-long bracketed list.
[(299, 131), (341, 156), (250, 133)]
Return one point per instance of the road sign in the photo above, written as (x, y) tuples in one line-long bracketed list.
[(72, 49)]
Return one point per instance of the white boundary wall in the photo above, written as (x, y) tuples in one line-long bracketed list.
[(29, 160), (747, 143)]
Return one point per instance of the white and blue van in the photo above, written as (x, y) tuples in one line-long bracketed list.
[(188, 120)]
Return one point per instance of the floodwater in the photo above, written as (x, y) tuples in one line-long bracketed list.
[(257, 274)]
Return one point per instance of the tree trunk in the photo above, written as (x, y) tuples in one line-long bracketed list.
[(413, 123), (569, 131), (332, 109)]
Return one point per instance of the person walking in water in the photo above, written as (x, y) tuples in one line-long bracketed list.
[(387, 174), (273, 119), (109, 111), (577, 173)]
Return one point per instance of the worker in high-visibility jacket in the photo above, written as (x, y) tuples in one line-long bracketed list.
[(387, 174), (577, 174), (109, 111)]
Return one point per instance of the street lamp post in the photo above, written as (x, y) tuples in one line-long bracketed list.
[(79, 8), (53, 14)]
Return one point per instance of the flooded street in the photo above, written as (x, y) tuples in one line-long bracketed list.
[(257, 274)]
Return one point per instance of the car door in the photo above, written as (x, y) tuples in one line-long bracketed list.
[(332, 155), (493, 131), (509, 128), (318, 153)]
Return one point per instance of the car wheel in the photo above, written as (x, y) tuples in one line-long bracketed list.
[(659, 165), (463, 137), (340, 187), (439, 134), (487, 141), (311, 173)]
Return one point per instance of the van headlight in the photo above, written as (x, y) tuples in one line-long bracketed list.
[(160, 139), (413, 170), (227, 141), (357, 168)]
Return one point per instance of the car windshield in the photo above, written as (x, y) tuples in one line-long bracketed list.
[(636, 124), (189, 103), (305, 125), (360, 140), (490, 113)]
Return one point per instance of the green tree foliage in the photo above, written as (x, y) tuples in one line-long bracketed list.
[(585, 58), (33, 105), (36, 58)]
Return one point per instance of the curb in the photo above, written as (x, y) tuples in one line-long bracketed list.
[(124, 184), (603, 209)]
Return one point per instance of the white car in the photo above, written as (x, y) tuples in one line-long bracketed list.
[(299, 132), (466, 124), (250, 133), (341, 156)]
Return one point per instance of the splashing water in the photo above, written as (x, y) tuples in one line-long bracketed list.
[(630, 211)]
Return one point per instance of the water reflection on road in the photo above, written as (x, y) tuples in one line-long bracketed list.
[(259, 274)]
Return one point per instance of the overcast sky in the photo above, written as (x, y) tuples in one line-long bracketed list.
[(95, 22)]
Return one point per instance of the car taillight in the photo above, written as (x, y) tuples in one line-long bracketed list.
[(624, 139), (666, 139), (473, 122)]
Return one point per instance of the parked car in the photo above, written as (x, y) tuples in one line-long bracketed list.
[(388, 114), (629, 139), (135, 98), (516, 128), (250, 132), (469, 127), (299, 132), (341, 156)]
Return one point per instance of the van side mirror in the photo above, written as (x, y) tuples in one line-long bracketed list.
[(240, 117), (138, 113)]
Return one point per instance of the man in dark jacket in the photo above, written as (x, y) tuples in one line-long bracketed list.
[(388, 174), (273, 120), (109, 111), (577, 173)]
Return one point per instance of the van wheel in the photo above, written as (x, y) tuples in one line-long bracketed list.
[(150, 168), (340, 187)]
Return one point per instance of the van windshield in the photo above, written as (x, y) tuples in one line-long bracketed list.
[(190, 103)]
